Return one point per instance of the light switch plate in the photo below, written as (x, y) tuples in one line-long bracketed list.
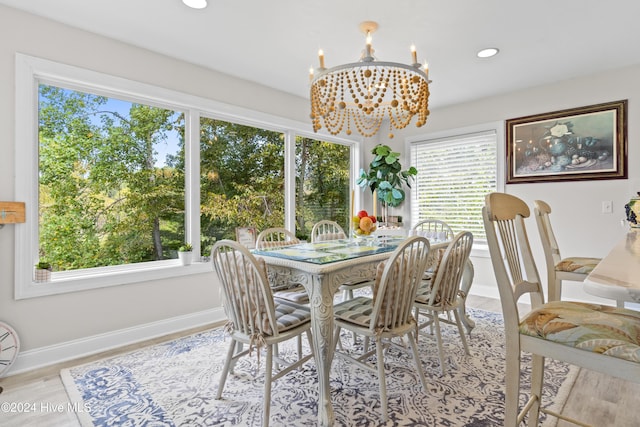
[(607, 207)]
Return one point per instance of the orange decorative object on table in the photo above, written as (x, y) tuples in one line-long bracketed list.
[(363, 223)]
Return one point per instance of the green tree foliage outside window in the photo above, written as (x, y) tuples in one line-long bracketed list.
[(112, 180), (241, 179), (103, 200), (322, 184)]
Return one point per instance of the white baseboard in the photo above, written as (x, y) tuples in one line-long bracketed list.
[(62, 352), (489, 291)]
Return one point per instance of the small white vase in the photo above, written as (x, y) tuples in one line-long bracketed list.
[(185, 257), (41, 275)]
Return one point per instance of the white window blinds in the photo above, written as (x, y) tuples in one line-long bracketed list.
[(454, 175)]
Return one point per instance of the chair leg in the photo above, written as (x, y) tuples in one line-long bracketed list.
[(555, 290), (311, 347), (382, 380), (537, 379), (225, 370), (277, 351), (267, 386), (512, 384), (416, 358), (436, 325), (462, 336), (336, 338), (239, 347)]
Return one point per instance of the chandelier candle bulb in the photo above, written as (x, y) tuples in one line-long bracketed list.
[(414, 54), (368, 51), (321, 58)]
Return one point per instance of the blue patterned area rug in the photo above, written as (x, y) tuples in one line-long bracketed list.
[(174, 384)]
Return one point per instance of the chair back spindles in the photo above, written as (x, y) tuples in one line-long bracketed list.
[(396, 290), (440, 293), (433, 229), (275, 237), (327, 230), (249, 301), (446, 283)]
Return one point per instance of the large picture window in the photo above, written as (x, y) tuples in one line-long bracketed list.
[(322, 184), (241, 179), (110, 180), (455, 173), (117, 175)]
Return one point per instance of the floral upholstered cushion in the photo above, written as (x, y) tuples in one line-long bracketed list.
[(591, 327), (578, 265)]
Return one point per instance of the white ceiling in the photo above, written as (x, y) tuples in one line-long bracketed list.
[(276, 42)]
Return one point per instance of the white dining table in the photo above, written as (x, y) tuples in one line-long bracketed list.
[(617, 276), (321, 281)]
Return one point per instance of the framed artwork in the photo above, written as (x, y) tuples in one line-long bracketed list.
[(246, 236), (576, 144)]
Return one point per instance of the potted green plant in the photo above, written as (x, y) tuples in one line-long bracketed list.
[(42, 271), (185, 253), (386, 177)]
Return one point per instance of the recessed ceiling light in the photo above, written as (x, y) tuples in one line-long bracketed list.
[(196, 4), (488, 53)]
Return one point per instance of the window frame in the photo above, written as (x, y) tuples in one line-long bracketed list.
[(30, 72), (479, 248)]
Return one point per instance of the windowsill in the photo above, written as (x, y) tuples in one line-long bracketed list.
[(480, 250), (94, 278)]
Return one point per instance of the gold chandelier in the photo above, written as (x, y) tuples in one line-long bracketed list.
[(364, 93)]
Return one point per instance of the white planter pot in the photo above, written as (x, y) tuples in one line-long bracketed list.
[(41, 275), (185, 257)]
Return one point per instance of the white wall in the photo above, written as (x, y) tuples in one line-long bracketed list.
[(62, 326), (579, 224)]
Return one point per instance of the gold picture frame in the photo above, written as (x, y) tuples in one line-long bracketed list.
[(575, 144)]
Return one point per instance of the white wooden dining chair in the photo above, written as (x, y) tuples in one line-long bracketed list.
[(389, 313), (278, 237), (442, 294), (558, 268), (255, 317), (436, 231), (327, 230), (596, 337), (275, 237), (433, 229), (330, 230)]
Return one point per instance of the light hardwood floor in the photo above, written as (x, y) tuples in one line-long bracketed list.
[(601, 400)]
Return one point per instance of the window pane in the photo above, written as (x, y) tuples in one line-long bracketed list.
[(111, 187), (241, 179), (322, 184), (454, 175)]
